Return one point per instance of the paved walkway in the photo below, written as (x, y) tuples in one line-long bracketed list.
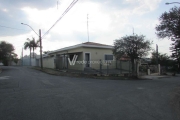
[(155, 76)]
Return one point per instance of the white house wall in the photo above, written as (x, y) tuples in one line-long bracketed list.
[(77, 66), (48, 62), (97, 54), (26, 62)]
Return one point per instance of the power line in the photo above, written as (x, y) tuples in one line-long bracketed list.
[(65, 12), (10, 27)]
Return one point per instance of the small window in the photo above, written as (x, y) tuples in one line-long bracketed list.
[(108, 57)]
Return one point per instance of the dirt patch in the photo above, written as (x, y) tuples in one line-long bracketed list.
[(175, 101)]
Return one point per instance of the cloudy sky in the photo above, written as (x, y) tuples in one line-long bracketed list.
[(108, 20)]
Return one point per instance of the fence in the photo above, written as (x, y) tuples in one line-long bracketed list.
[(153, 69), (95, 66), (157, 69), (109, 67)]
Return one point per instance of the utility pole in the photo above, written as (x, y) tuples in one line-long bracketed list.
[(40, 40), (156, 54), (22, 56), (133, 31)]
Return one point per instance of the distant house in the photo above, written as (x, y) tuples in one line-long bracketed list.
[(145, 61), (80, 56), (25, 61)]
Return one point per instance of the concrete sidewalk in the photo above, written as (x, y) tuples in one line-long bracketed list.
[(156, 76), (152, 77)]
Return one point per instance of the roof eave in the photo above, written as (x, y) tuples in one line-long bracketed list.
[(80, 45)]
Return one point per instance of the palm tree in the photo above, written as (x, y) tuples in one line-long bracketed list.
[(28, 45), (34, 44)]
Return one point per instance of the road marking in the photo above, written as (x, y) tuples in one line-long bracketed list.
[(4, 77)]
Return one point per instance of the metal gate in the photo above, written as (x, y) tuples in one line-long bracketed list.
[(61, 62)]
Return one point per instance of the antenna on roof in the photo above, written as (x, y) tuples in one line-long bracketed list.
[(133, 30), (87, 28), (57, 4)]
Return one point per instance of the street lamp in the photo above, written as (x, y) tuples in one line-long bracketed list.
[(30, 27), (40, 40), (172, 3)]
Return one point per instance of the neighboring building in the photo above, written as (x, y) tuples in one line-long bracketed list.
[(145, 61), (1, 64), (124, 63), (81, 56), (25, 61)]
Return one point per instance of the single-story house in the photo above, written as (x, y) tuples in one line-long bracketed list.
[(80, 56)]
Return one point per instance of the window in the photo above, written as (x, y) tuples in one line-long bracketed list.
[(71, 56), (108, 57)]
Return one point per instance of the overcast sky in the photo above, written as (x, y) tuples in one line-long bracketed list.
[(108, 20)]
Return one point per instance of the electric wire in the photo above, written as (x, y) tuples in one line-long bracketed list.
[(10, 27), (65, 12)]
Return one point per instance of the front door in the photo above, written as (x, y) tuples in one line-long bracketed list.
[(87, 58)]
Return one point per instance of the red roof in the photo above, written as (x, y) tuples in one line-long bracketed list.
[(125, 57)]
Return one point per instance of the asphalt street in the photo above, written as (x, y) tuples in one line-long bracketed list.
[(28, 94)]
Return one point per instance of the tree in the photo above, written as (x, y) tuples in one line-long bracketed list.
[(175, 48), (163, 59), (46, 52), (27, 45), (169, 24), (34, 44), (134, 46), (15, 58), (170, 27), (6, 51), (31, 45)]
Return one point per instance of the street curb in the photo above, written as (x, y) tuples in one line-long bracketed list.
[(86, 76), (155, 77)]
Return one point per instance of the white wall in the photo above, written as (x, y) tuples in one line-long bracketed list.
[(48, 62), (26, 62)]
